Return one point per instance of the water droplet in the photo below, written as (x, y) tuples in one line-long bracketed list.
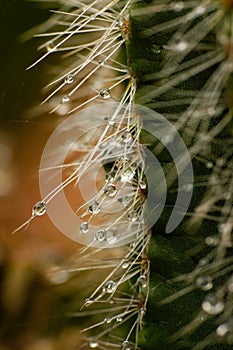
[(203, 261), (93, 344), (142, 281), (127, 176), (88, 301), (142, 184), (200, 10), (126, 136), (220, 162), (178, 6), (119, 319), (94, 208), (110, 190), (69, 79), (133, 216), (84, 227), (212, 305), (212, 241), (156, 49), (211, 111), (165, 139), (105, 93), (110, 236), (59, 276), (124, 200), (101, 62), (109, 178), (100, 235), (65, 99), (209, 165), (39, 209), (188, 187), (181, 46), (92, 17), (225, 228), (142, 310), (109, 287), (50, 46), (108, 320), (204, 282), (223, 329), (108, 119), (125, 265), (126, 346)]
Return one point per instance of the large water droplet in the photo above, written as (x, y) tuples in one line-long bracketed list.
[(105, 93), (69, 79), (39, 209), (212, 305), (109, 287), (204, 282), (110, 190), (84, 227)]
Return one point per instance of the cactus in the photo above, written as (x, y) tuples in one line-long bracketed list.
[(165, 287)]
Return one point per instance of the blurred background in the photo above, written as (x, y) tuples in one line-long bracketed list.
[(33, 303)]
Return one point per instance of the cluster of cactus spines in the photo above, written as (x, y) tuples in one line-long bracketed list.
[(164, 291), (92, 34)]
